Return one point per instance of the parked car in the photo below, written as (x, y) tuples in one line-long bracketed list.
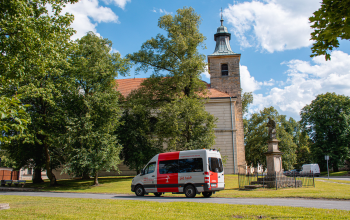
[(286, 173), (295, 172)]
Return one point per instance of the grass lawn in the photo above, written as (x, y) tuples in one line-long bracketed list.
[(24, 207), (333, 180), (340, 173), (121, 185)]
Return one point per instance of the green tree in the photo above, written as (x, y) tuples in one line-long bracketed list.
[(137, 136), (93, 107), (257, 136), (13, 118), (247, 99), (184, 124), (34, 46), (304, 154), (175, 83), (330, 23), (326, 120)]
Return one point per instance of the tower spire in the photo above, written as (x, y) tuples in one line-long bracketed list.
[(222, 20), (222, 38)]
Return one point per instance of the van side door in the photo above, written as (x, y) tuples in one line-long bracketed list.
[(167, 176), (149, 179)]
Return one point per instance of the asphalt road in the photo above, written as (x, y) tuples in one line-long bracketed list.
[(346, 178), (310, 203)]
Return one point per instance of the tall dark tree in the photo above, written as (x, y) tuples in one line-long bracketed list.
[(93, 110), (330, 23), (34, 46), (137, 136), (326, 120), (175, 88)]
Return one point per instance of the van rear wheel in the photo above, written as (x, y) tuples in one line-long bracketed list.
[(207, 194), (157, 194), (139, 191), (190, 191)]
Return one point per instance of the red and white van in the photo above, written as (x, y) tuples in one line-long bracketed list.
[(189, 172)]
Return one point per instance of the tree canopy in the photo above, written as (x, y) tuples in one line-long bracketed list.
[(175, 91), (138, 137), (93, 107), (330, 22), (175, 55), (326, 120), (256, 138), (34, 47)]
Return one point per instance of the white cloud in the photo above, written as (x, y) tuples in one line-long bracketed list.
[(121, 3), (87, 14), (249, 83), (273, 25), (305, 81), (160, 11)]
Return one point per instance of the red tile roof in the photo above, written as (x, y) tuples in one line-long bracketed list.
[(125, 86)]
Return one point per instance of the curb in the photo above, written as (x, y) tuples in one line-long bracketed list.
[(17, 189)]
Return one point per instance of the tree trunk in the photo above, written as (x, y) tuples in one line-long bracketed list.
[(85, 176), (96, 178), (37, 176), (49, 173)]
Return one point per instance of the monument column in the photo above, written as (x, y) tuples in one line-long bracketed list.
[(273, 155)]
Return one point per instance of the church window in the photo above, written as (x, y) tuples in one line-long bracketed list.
[(224, 70)]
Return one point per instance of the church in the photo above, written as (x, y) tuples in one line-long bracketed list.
[(224, 102)]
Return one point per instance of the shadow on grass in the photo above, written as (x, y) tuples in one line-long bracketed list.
[(76, 184)]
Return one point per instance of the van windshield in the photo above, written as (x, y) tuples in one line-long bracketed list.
[(215, 164)]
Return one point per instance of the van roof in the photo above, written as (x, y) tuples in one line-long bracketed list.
[(214, 150)]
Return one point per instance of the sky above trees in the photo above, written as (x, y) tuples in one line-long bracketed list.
[(272, 36)]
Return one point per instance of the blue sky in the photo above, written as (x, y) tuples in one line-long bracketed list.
[(272, 37)]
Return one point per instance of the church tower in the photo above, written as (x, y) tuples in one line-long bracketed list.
[(225, 77)]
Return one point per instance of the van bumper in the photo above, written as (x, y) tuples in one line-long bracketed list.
[(132, 188), (207, 189)]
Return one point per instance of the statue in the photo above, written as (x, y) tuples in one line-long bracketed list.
[(272, 128)]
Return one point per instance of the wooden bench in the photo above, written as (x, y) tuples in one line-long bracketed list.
[(19, 182)]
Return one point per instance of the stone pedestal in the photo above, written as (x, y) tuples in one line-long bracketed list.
[(273, 157)]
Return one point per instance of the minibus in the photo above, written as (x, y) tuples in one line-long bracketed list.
[(188, 172)]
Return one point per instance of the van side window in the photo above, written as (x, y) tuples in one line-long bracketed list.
[(215, 164), (150, 168), (191, 165), (168, 166)]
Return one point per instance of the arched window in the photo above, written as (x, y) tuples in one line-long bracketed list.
[(224, 70)]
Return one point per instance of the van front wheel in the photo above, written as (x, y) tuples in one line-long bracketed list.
[(139, 191), (190, 191)]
